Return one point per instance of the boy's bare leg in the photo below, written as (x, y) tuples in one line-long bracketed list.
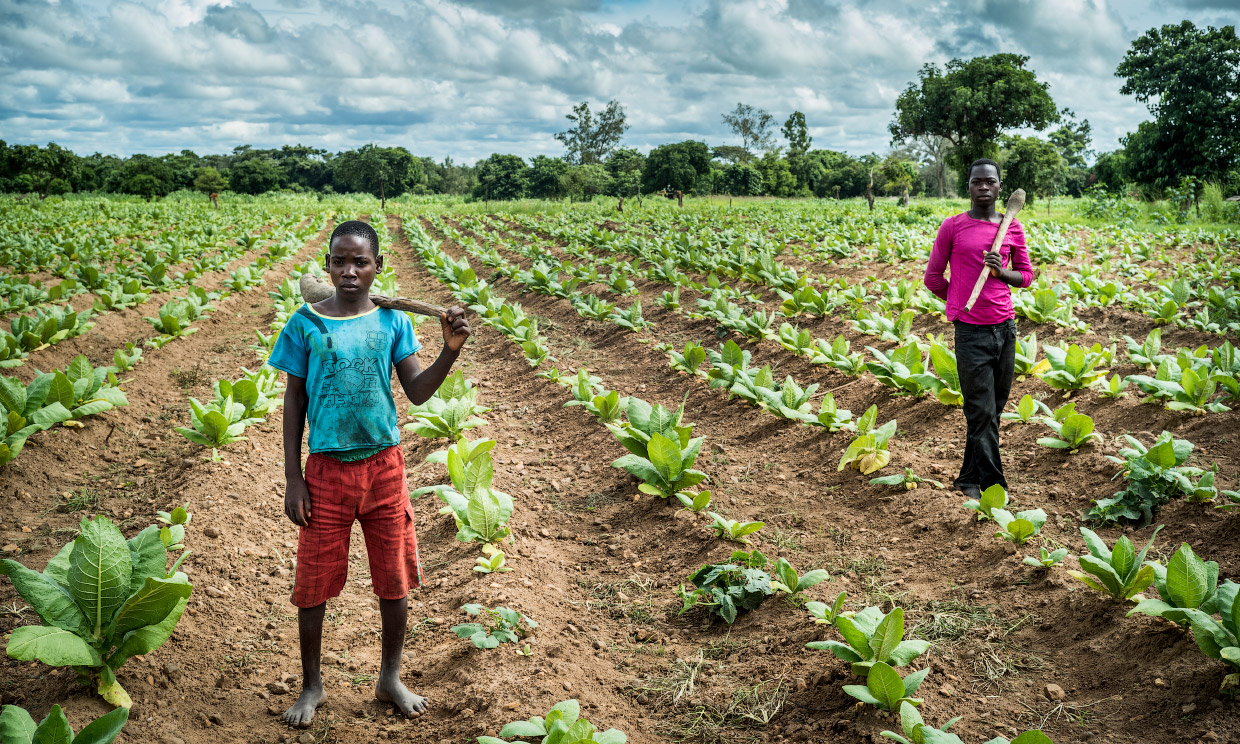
[(389, 689), (310, 633)]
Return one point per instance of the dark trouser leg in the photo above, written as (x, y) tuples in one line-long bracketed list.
[(985, 359)]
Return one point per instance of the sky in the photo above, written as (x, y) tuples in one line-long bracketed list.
[(466, 78)]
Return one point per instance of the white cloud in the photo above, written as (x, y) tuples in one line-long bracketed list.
[(469, 77)]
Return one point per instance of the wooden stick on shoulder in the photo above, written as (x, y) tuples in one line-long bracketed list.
[(314, 289), (1015, 203)]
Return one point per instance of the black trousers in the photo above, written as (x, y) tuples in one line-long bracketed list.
[(985, 360)]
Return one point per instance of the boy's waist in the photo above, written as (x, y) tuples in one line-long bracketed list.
[(354, 455)]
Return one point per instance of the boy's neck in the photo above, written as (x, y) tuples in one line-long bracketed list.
[(339, 307), (984, 212)]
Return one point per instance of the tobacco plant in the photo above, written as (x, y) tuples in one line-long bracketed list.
[(1185, 583), (788, 581), (662, 451), (481, 512), (868, 452), (908, 479), (1018, 527), (1027, 410), (18, 727), (451, 411), (825, 614), (103, 599), (1075, 432), (1120, 573), (1046, 558), (872, 638), (563, 724), (726, 589), (917, 732), (494, 626), (1074, 368), (731, 529), (994, 497)]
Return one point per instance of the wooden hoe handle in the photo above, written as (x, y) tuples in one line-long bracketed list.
[(314, 289), (1014, 204)]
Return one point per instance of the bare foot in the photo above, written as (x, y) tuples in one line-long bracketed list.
[(302, 711), (392, 691)]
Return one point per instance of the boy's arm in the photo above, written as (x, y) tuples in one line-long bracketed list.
[(419, 385), (296, 494), (934, 279)]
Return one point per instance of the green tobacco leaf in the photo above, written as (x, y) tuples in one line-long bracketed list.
[(99, 571), (151, 604), (103, 730), (888, 635), (146, 639), (50, 600), (885, 685), (1186, 578), (16, 725), (148, 555), (54, 729), (52, 646)]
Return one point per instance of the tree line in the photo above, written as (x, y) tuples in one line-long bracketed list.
[(1189, 78)]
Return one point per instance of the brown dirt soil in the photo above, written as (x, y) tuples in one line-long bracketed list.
[(596, 566)]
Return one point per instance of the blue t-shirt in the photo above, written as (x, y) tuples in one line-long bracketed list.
[(347, 364)]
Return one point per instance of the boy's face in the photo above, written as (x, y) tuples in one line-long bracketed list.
[(984, 185), (352, 266)]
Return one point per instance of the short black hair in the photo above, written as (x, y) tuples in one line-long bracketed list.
[(986, 161), (361, 230)]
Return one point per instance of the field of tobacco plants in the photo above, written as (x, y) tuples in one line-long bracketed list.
[(691, 483)]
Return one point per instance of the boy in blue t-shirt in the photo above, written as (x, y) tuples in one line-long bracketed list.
[(339, 355)]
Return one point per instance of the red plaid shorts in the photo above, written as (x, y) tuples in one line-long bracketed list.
[(373, 491)]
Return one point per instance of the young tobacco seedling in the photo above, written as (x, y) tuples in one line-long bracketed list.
[(919, 733), (908, 479), (1018, 527), (694, 501), (872, 637), (1046, 559), (1120, 573), (884, 688), (1075, 432), (500, 625), (1027, 410), (491, 561), (789, 582), (825, 614), (731, 529), (868, 452), (994, 497), (563, 724)]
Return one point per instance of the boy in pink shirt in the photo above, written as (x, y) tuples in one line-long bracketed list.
[(985, 335)]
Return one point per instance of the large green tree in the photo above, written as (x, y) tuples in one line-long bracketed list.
[(255, 175), (676, 167), (546, 177), (379, 171), (503, 177), (592, 138), (625, 169), (972, 103), (1032, 164), (1190, 79), (753, 125)]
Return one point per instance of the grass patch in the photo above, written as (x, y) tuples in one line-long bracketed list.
[(749, 710), (188, 379)]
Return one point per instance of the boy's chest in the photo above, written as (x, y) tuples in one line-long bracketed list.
[(364, 348)]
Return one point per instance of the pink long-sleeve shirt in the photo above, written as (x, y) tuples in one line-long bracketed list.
[(962, 244)]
